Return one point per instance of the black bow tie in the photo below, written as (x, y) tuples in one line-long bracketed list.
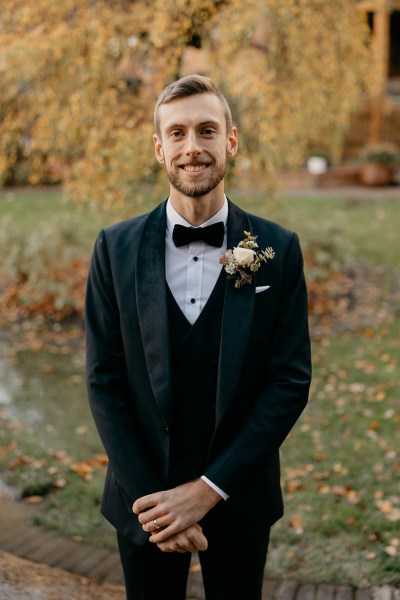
[(212, 235)]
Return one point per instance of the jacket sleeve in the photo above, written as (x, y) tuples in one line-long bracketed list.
[(108, 390), (285, 391)]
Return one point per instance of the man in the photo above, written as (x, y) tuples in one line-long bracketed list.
[(196, 372)]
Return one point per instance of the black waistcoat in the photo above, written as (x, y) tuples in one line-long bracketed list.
[(195, 355)]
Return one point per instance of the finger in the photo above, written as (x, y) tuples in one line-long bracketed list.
[(197, 537), (145, 502), (171, 529), (192, 539), (161, 535), (177, 544), (148, 516), (202, 544), (199, 540), (155, 525), (166, 548)]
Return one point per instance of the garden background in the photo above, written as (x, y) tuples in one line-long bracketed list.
[(78, 85)]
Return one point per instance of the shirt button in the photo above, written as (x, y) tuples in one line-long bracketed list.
[(195, 258), (192, 300)]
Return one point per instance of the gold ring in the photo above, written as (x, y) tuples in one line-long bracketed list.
[(156, 524)]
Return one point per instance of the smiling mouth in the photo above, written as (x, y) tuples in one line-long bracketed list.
[(194, 168)]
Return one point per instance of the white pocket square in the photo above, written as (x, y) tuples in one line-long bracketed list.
[(262, 288)]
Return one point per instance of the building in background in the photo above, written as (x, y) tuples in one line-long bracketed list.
[(378, 119)]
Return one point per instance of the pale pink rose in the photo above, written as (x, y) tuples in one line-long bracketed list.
[(244, 256), (224, 260)]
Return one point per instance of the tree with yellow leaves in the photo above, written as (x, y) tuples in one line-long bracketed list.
[(79, 80)]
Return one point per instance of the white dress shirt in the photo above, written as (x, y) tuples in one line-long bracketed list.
[(192, 272)]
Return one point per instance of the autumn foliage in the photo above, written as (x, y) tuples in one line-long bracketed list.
[(79, 81)]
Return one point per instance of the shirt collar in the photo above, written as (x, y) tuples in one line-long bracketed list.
[(174, 218)]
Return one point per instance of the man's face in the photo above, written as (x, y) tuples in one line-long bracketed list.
[(194, 144)]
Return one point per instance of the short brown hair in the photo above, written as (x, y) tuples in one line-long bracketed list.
[(189, 86)]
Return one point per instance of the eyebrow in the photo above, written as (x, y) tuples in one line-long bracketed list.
[(202, 124)]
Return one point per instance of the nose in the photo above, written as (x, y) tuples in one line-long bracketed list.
[(192, 147)]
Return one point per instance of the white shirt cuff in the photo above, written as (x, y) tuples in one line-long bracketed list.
[(215, 487)]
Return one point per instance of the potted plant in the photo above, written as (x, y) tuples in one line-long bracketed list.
[(378, 164), (317, 162)]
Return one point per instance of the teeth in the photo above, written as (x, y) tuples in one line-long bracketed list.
[(194, 168)]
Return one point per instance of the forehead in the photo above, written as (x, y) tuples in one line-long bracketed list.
[(191, 111)]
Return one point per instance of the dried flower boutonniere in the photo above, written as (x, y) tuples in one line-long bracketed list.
[(243, 261)]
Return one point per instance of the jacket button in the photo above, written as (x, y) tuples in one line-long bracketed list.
[(166, 430)]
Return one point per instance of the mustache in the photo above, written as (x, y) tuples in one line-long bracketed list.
[(195, 163)]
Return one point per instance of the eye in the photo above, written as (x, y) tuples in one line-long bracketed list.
[(208, 131), (175, 134)]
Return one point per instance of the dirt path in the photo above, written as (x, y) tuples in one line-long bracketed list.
[(21, 579)]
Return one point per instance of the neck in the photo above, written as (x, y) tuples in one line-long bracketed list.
[(197, 211)]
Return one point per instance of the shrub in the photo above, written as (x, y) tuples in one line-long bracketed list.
[(43, 271)]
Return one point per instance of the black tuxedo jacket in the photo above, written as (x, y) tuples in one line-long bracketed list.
[(263, 374)]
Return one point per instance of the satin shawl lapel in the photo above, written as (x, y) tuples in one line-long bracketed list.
[(236, 320), (151, 298)]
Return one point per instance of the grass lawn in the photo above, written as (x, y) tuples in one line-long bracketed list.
[(340, 464), (368, 226)]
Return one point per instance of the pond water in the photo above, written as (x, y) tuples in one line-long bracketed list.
[(44, 394)]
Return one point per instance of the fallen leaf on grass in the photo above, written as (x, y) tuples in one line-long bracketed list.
[(387, 507), (34, 499), (60, 483), (391, 550), (320, 457), (61, 456), (344, 491), (295, 522), (4, 450), (294, 486), (321, 475), (81, 429), (83, 469), (394, 515), (340, 469), (101, 459)]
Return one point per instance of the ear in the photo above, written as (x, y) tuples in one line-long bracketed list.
[(158, 149), (232, 143)]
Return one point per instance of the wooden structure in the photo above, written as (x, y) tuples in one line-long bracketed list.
[(380, 114)]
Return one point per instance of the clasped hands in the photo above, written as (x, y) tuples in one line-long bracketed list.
[(172, 516)]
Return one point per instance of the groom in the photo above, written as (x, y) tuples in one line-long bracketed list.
[(197, 370)]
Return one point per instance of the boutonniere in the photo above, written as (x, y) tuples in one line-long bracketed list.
[(243, 261)]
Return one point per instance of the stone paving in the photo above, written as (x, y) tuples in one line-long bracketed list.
[(93, 567)]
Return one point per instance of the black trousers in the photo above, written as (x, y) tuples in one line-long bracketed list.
[(232, 566)]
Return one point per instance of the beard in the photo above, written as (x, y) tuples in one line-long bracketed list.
[(201, 188)]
